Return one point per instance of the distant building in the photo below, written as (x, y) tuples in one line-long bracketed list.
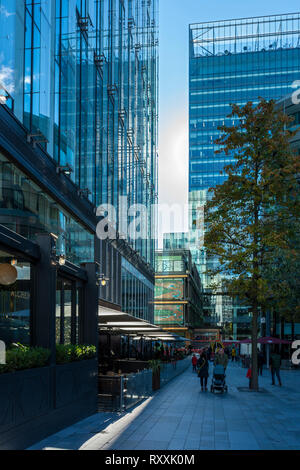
[(178, 305), (235, 61), (290, 105), (232, 61)]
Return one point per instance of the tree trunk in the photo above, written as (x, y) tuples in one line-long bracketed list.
[(254, 368), (255, 278), (274, 324)]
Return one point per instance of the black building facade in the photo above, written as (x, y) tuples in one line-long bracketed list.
[(77, 130)]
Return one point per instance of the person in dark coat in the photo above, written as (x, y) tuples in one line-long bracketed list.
[(260, 362), (203, 367), (275, 361), (208, 353)]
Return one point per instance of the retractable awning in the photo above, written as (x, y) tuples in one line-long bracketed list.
[(181, 338), (117, 322)]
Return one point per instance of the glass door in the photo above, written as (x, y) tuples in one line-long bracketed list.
[(68, 308)]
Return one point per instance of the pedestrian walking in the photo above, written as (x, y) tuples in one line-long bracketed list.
[(194, 363), (260, 362), (208, 353), (275, 362), (249, 375), (221, 358), (203, 366), (233, 354)]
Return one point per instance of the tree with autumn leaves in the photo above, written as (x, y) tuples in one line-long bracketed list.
[(252, 219)]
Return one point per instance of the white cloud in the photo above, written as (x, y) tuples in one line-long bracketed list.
[(7, 79)]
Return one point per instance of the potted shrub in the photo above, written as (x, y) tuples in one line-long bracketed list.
[(20, 357), (66, 353), (155, 366)]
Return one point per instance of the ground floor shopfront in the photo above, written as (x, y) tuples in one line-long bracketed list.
[(46, 305), (48, 242)]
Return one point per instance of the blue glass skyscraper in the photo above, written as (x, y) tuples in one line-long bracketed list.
[(232, 61), (235, 61), (81, 76)]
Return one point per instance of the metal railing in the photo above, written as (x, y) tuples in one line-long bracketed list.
[(171, 370), (110, 391), (119, 393), (137, 387)]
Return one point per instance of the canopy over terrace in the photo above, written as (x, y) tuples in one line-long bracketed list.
[(121, 323), (266, 340)]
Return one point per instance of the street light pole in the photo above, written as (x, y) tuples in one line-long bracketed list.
[(268, 334)]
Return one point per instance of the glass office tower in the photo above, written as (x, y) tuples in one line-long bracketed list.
[(232, 61), (82, 78), (235, 62)]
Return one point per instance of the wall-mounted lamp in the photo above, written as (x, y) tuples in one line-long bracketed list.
[(102, 280), (62, 260), (14, 262), (66, 170)]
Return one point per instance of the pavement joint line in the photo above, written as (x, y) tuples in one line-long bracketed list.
[(178, 412)]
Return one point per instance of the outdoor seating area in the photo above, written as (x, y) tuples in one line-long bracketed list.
[(130, 352)]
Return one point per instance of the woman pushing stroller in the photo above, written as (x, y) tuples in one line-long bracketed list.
[(221, 359), (220, 365), (203, 366)]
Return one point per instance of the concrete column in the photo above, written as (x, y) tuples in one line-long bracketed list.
[(44, 295), (89, 315)]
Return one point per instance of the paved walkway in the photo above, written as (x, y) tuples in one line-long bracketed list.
[(180, 417)]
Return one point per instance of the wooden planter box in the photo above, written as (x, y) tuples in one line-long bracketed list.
[(24, 395), (35, 403), (76, 382), (156, 380)]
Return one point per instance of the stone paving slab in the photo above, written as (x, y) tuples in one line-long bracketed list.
[(180, 417)]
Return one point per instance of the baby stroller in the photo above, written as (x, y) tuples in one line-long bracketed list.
[(218, 380)]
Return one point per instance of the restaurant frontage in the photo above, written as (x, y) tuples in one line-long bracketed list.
[(44, 303), (48, 304), (132, 353), (55, 278)]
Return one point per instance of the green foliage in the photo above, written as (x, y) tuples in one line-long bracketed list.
[(21, 357), (73, 352), (253, 213), (284, 283), (253, 217), (154, 364)]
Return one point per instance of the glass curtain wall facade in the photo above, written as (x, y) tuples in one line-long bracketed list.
[(137, 293), (235, 62), (232, 61), (27, 210), (82, 77)]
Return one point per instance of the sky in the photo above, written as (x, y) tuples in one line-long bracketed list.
[(175, 17)]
